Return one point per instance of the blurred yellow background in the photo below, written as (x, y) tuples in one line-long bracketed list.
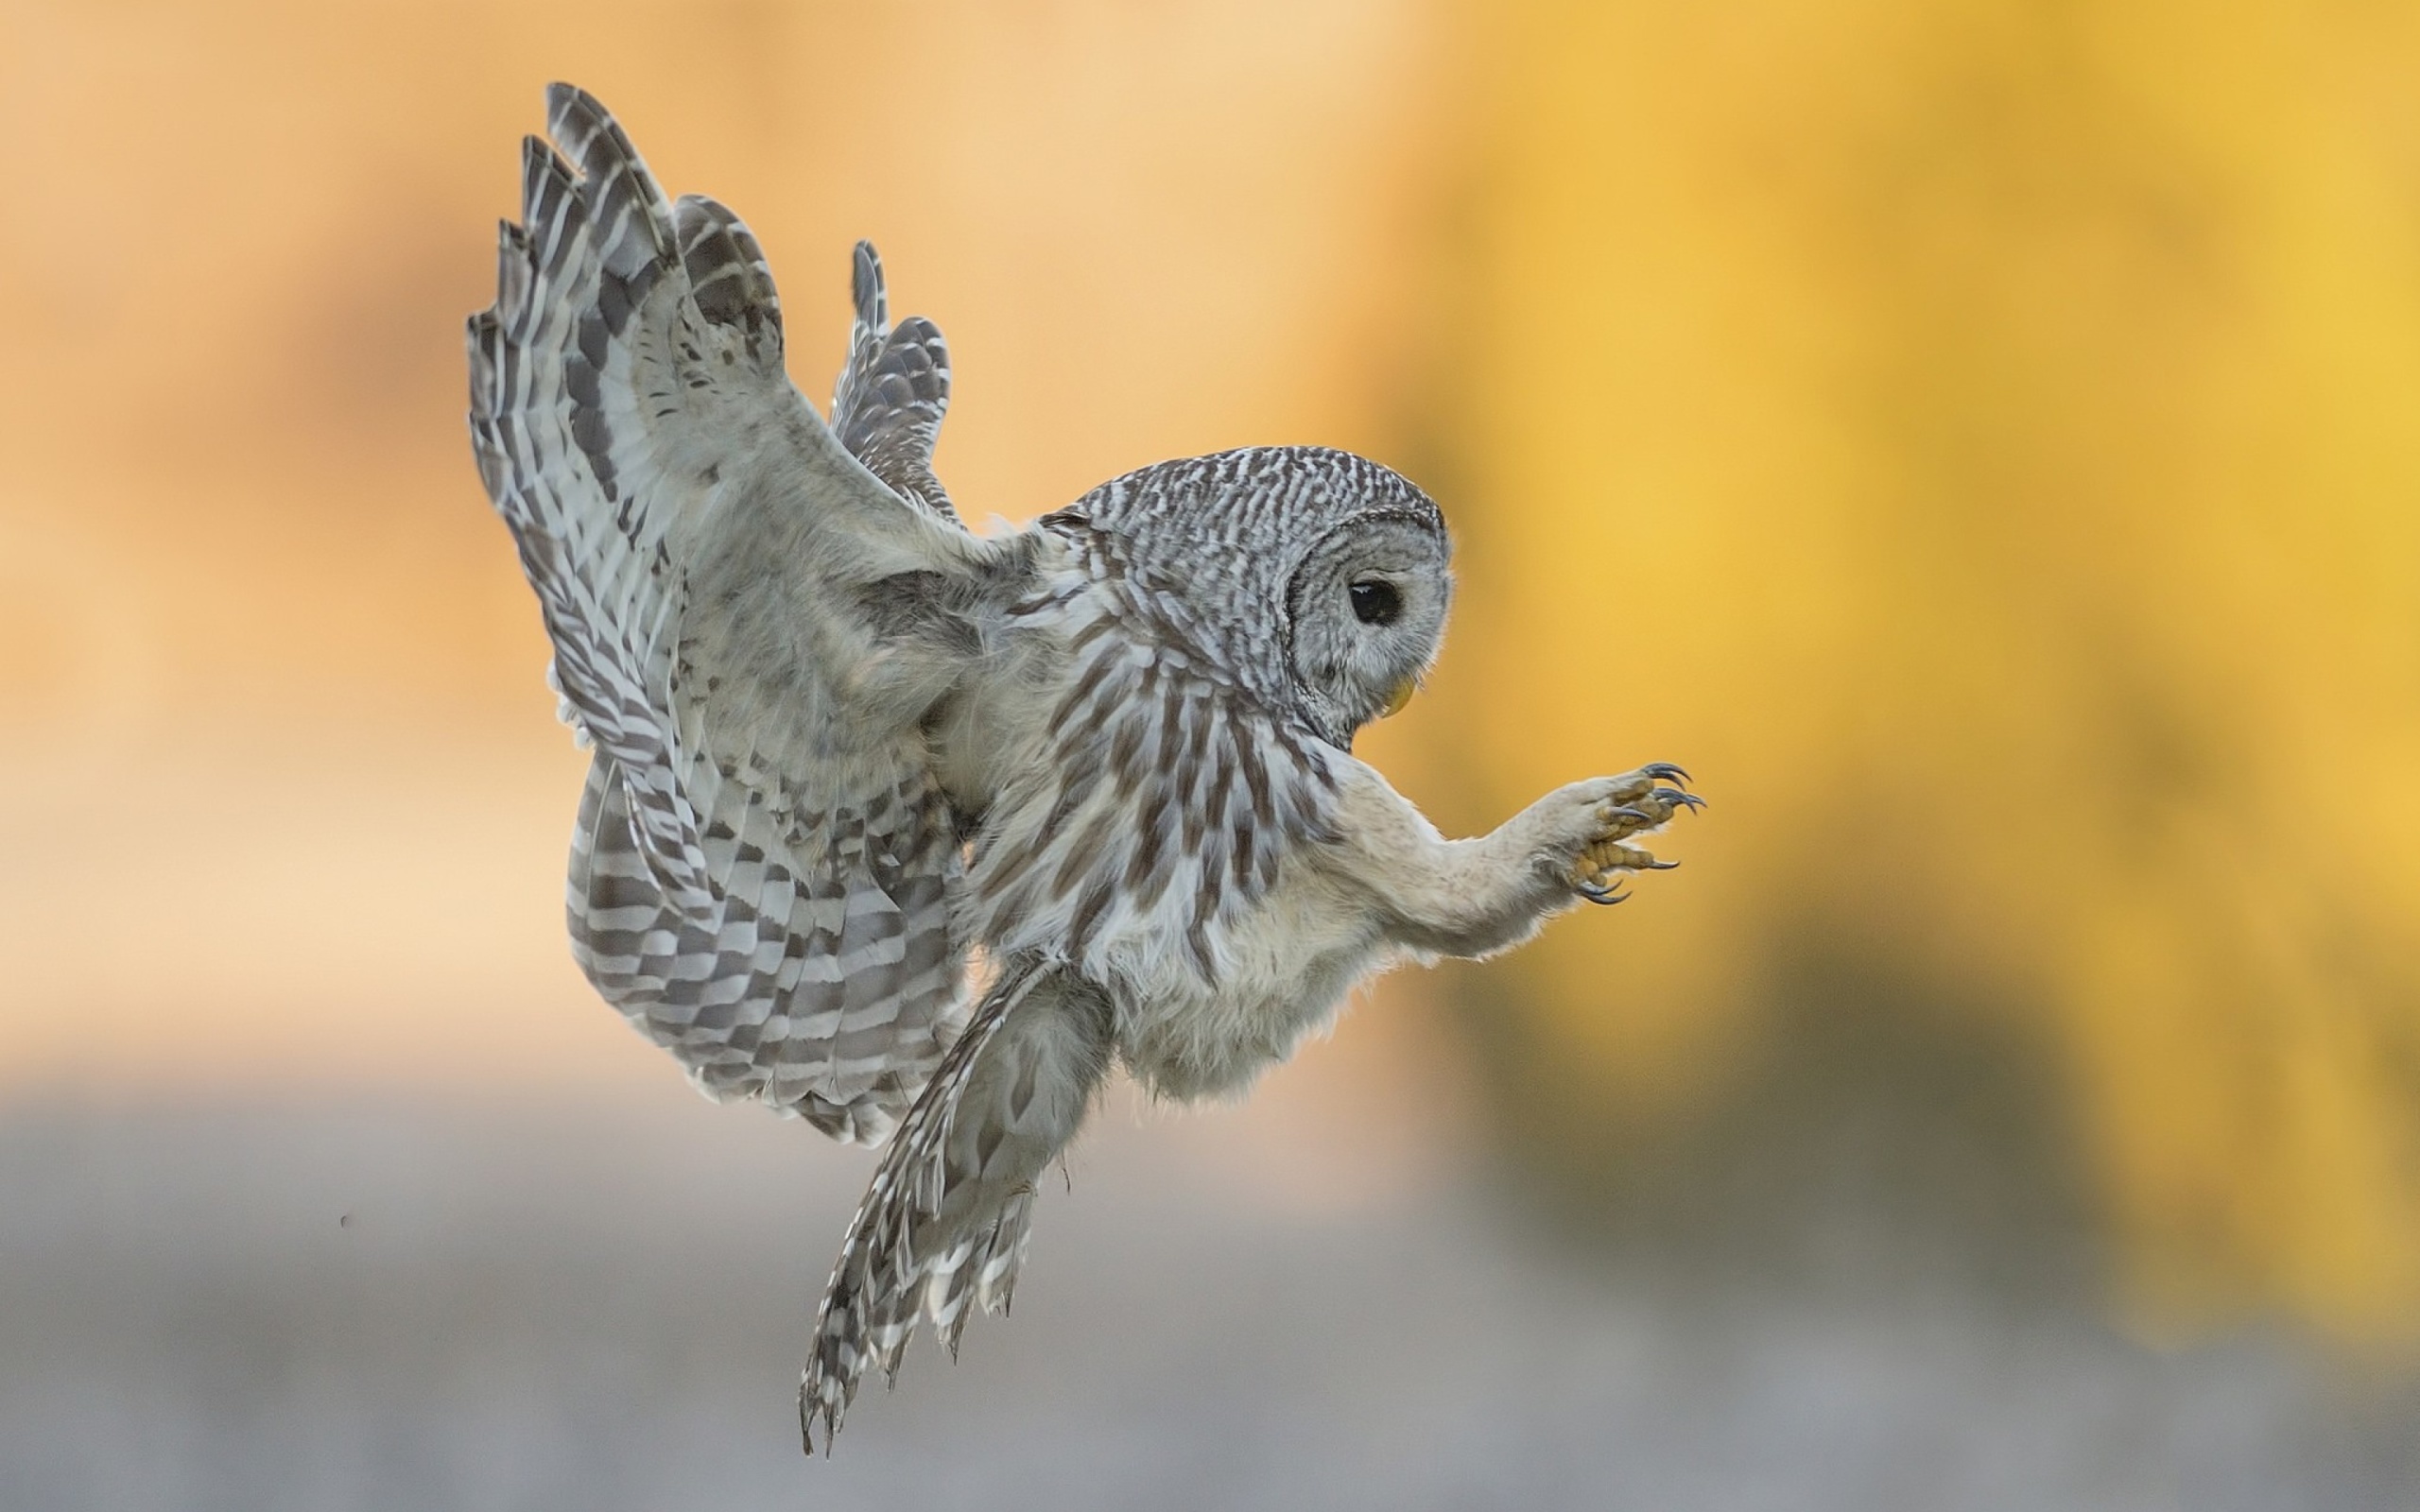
[(1986, 438), (1979, 440)]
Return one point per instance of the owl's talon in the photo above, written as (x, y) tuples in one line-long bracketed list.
[(1637, 803)]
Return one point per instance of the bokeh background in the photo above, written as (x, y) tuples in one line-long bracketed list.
[(1981, 439)]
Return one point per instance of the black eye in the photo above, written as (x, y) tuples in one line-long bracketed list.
[(1375, 601)]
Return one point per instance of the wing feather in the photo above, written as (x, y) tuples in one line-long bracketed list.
[(888, 406), (762, 866)]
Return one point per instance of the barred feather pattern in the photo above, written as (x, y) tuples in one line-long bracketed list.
[(888, 406), (943, 1224), (1172, 794), (605, 581), (776, 917), (787, 995)]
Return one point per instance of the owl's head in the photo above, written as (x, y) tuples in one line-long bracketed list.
[(1320, 579)]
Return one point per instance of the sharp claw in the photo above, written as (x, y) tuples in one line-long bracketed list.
[(1665, 771), (1626, 811), (1604, 897), (1684, 800), (1661, 865)]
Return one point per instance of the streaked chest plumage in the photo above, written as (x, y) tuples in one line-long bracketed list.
[(1151, 829)]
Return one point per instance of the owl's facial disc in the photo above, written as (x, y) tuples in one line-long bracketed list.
[(1367, 610)]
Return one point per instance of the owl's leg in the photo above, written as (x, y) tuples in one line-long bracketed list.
[(943, 1224), (1473, 898)]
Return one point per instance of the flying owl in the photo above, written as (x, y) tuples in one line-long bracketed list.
[(914, 834)]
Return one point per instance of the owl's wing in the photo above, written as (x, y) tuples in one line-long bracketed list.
[(747, 623), (943, 1228), (887, 407)]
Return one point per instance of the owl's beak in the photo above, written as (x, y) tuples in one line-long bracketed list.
[(1402, 696)]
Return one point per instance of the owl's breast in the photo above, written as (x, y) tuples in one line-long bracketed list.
[(1286, 965), (1150, 827)]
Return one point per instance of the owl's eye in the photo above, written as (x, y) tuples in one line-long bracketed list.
[(1375, 601)]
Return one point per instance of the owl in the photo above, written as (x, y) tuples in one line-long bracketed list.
[(913, 833)]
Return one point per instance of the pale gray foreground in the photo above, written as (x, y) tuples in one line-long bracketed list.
[(604, 1307)]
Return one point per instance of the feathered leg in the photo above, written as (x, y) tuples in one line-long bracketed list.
[(943, 1224), (1473, 898)]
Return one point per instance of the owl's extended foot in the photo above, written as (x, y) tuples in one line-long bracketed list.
[(1640, 802), (1475, 897)]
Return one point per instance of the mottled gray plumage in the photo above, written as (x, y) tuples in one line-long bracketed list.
[(912, 833)]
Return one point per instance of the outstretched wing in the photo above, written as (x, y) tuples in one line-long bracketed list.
[(887, 406), (761, 869)]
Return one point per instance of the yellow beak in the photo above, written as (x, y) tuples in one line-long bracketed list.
[(1402, 696)]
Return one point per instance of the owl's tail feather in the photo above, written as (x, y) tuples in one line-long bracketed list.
[(945, 1223)]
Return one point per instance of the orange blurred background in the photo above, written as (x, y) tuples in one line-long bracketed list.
[(1979, 440)]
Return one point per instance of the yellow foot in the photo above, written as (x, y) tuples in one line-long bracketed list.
[(1641, 802)]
